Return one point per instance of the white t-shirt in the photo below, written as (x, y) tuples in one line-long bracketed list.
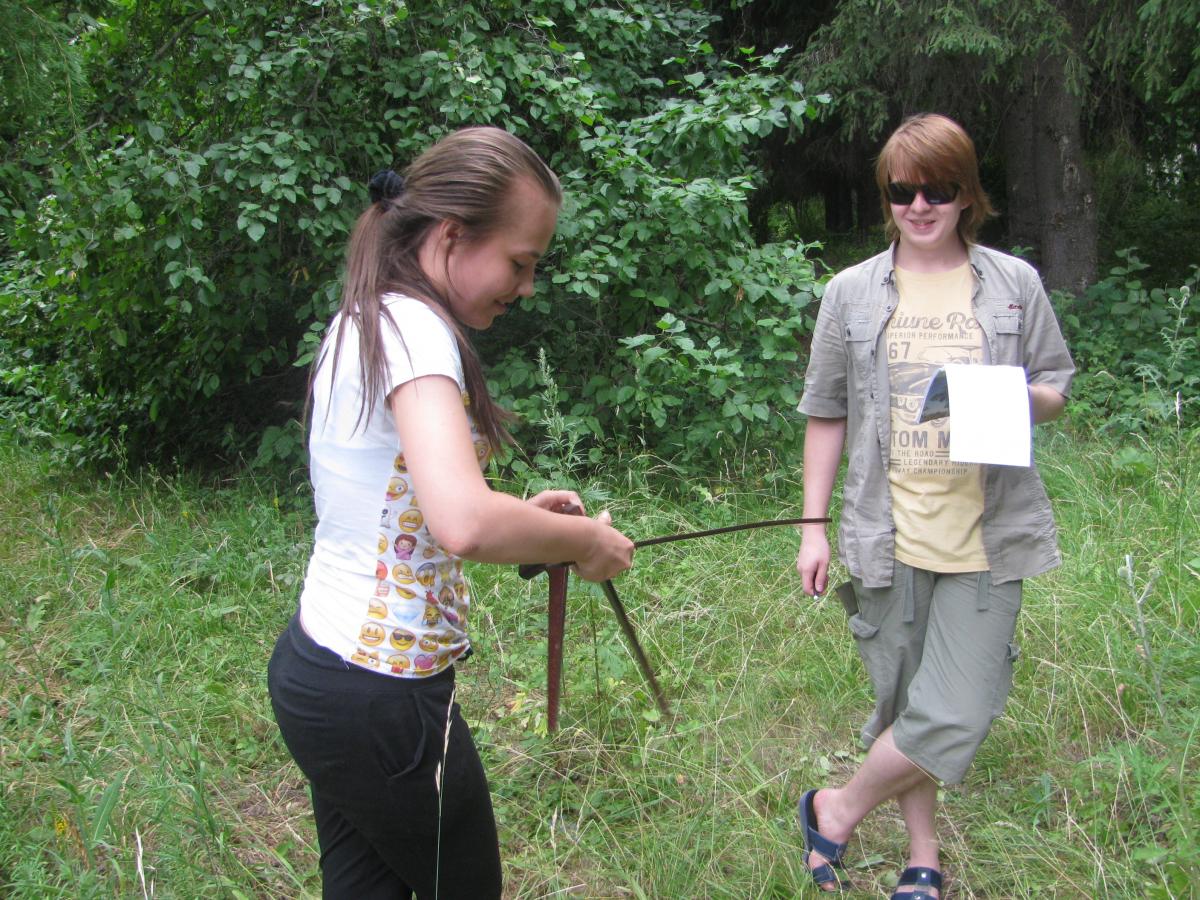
[(380, 592)]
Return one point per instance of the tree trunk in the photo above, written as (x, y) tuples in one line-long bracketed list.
[(868, 210), (839, 207), (1066, 203), (1051, 205), (1021, 212)]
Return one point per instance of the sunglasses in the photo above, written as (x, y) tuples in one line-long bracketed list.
[(902, 193)]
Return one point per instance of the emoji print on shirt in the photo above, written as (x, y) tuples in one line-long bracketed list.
[(402, 639), (397, 488), (410, 520), (425, 574), (363, 658), (417, 611), (404, 546)]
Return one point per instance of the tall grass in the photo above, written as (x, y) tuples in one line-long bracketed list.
[(138, 756)]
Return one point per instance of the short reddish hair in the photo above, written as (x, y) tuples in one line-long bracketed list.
[(933, 149)]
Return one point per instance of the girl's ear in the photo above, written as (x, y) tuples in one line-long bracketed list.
[(440, 240), (450, 230), (436, 248)]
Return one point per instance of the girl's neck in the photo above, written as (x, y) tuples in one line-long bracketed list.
[(930, 260)]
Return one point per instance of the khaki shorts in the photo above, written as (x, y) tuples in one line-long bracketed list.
[(939, 651)]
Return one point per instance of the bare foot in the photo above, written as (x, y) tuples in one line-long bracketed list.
[(822, 820)]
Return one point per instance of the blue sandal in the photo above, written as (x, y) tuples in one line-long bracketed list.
[(921, 878), (827, 873)]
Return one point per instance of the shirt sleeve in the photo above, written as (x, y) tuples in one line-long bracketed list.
[(420, 344), (1046, 357), (825, 377)]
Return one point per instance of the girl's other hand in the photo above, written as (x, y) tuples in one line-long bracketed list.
[(567, 502), (609, 554)]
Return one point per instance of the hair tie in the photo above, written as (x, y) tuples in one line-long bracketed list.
[(385, 185)]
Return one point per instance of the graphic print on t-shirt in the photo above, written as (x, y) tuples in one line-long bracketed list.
[(923, 335), (937, 503)]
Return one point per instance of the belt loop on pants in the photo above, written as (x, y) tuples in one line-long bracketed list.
[(909, 601), (983, 594)]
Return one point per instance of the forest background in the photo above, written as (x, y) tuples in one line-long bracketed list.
[(177, 180)]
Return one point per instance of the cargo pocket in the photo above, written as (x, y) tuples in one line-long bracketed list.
[(879, 660), (1004, 680), (862, 629), (868, 648)]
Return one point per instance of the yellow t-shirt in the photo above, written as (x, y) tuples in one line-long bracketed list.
[(937, 504)]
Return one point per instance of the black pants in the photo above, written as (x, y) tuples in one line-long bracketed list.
[(371, 746)]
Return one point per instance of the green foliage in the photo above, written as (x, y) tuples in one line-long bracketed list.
[(1155, 208), (1136, 351), (665, 302), (43, 92), (176, 261), (1156, 48), (879, 60)]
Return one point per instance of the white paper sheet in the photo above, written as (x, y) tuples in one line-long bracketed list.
[(989, 415)]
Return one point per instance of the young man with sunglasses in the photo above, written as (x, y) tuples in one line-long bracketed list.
[(937, 550)]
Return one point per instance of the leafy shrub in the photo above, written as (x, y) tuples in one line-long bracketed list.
[(1136, 349), (1134, 199), (182, 255)]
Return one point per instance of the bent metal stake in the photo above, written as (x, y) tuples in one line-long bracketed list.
[(557, 609)]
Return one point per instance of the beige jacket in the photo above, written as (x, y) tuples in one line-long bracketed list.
[(847, 377)]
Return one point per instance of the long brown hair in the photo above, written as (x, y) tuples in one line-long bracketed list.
[(934, 149), (466, 177)]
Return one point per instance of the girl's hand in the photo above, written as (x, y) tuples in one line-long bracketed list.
[(567, 502), (609, 554)]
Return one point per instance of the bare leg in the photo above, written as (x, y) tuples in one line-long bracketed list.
[(885, 773), (918, 805)]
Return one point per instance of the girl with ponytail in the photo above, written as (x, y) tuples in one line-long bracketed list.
[(362, 679)]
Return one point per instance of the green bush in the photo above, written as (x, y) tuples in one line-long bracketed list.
[(164, 288), (1135, 201), (1136, 351)]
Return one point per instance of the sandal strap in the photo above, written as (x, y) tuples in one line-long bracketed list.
[(921, 877), (814, 840), (829, 849), (825, 874)]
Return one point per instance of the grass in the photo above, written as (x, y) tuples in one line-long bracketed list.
[(138, 756)]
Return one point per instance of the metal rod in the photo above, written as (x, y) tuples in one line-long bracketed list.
[(639, 654), (532, 570), (554, 645), (557, 610)]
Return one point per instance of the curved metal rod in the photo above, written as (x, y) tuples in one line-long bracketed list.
[(557, 611)]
